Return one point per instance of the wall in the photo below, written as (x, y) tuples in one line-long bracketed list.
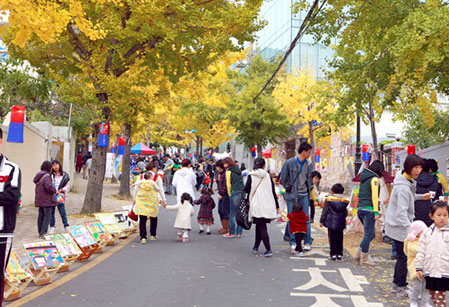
[(28, 155)]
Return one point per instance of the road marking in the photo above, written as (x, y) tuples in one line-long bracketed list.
[(324, 300), (318, 279), (72, 275), (353, 281), (318, 261)]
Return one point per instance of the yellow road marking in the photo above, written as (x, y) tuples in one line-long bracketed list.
[(71, 275)]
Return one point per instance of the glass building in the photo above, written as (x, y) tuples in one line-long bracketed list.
[(282, 27)]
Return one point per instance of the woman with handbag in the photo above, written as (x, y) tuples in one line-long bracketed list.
[(263, 204), (61, 183), (44, 197)]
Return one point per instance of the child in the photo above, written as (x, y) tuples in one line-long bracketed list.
[(205, 216), (183, 217), (432, 259), (298, 226), (333, 218), (314, 193), (207, 181), (280, 191), (147, 205), (410, 249)]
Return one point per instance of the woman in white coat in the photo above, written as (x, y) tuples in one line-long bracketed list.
[(264, 205), (184, 180)]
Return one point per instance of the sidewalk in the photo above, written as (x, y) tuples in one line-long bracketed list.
[(26, 227)]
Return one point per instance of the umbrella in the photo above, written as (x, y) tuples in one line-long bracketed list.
[(142, 149)]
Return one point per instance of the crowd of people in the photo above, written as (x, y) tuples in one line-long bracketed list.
[(415, 213)]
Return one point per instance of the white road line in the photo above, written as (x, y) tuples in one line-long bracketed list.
[(352, 281), (318, 261)]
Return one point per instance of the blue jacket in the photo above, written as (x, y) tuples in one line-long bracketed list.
[(289, 172)]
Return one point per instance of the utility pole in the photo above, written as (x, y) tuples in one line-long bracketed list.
[(358, 156)]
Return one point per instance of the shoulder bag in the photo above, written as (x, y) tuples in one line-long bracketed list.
[(242, 214)]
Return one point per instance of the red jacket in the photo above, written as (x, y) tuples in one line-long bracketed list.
[(298, 221)]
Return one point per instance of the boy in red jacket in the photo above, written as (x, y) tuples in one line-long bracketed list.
[(298, 227)]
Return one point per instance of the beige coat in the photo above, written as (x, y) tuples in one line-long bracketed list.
[(184, 215), (433, 252)]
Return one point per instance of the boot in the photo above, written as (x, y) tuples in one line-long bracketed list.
[(366, 260), (358, 252), (222, 231), (225, 226)]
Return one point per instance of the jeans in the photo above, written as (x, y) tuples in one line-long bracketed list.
[(367, 219), (400, 269), (43, 219), (62, 213), (304, 200), (223, 207), (335, 242), (235, 202)]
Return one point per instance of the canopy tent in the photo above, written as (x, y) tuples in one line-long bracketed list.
[(142, 149)]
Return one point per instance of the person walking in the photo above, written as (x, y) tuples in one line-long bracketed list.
[(61, 182), (298, 227), (432, 259), (234, 184), (185, 211), (400, 215), (333, 218), (11, 180), (264, 205), (368, 208), (296, 179), (426, 183), (184, 180), (205, 215), (223, 198), (152, 168), (84, 168), (79, 163), (45, 197), (147, 205), (168, 165)]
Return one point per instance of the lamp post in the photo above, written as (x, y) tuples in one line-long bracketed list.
[(358, 161)]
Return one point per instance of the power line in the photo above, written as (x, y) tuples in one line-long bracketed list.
[(293, 44)]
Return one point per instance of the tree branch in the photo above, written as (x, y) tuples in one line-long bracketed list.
[(79, 48)]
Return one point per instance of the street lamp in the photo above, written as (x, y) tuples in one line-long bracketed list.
[(358, 156)]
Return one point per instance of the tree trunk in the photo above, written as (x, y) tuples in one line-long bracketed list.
[(312, 142), (94, 192), (197, 144), (373, 130), (124, 179), (259, 151)]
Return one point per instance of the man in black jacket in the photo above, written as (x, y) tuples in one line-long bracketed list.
[(10, 183)]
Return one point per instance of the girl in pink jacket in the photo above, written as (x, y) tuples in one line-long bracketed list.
[(432, 259)]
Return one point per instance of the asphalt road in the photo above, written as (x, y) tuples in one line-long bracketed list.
[(213, 271)]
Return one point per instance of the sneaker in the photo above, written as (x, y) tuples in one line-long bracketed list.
[(41, 237), (255, 250), (208, 232), (143, 241), (300, 254), (201, 231), (66, 228), (413, 304), (267, 254), (153, 238), (184, 240), (52, 231), (332, 258), (403, 292), (293, 248), (240, 236), (307, 247), (339, 257), (228, 235)]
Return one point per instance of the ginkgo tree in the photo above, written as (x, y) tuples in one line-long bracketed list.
[(101, 40), (308, 103)]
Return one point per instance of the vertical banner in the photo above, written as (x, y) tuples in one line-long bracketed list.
[(103, 135), (113, 147), (317, 159), (365, 153), (253, 152), (121, 146), (16, 125), (411, 150)]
